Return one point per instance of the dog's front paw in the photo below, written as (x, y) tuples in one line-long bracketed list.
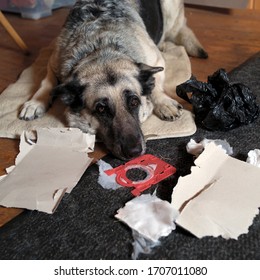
[(32, 109), (168, 109)]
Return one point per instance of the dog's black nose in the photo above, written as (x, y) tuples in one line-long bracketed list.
[(135, 151), (132, 146), (132, 152)]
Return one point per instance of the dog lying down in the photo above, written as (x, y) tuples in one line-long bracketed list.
[(109, 71)]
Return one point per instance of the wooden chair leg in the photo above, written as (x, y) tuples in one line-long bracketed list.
[(13, 33)]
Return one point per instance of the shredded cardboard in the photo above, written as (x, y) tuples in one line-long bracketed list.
[(46, 169), (220, 197)]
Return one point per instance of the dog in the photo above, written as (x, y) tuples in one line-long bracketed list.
[(107, 68)]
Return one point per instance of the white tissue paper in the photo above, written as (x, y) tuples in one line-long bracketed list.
[(150, 218), (196, 149), (254, 157), (106, 181)]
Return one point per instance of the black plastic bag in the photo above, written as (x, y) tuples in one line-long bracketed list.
[(218, 104)]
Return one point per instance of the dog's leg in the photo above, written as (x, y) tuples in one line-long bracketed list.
[(187, 38), (165, 107), (176, 29), (40, 102)]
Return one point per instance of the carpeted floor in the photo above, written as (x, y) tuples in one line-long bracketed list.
[(84, 227)]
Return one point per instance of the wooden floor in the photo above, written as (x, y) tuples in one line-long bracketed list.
[(229, 36)]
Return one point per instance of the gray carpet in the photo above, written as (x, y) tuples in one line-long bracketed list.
[(84, 227)]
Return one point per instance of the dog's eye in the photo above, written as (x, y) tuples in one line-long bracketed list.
[(104, 109), (101, 108), (134, 102)]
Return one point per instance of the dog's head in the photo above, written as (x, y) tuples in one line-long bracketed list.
[(106, 99)]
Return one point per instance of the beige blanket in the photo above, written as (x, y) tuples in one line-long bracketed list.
[(178, 70)]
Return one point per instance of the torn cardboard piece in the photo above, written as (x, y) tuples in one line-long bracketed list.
[(46, 169), (220, 197)]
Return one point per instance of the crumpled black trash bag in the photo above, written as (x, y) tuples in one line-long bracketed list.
[(218, 104)]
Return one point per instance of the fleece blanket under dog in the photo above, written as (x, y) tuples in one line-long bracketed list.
[(178, 70)]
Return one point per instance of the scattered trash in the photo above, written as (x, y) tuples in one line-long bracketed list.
[(254, 157), (46, 168), (220, 197), (142, 245), (196, 149), (106, 181), (150, 218), (218, 104), (156, 170)]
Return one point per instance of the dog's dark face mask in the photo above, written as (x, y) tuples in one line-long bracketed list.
[(119, 126), (108, 101)]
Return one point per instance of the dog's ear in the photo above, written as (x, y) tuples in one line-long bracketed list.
[(146, 77), (71, 94)]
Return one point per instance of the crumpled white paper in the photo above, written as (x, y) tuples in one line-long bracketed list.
[(106, 181), (46, 169), (196, 149), (142, 245), (150, 217), (254, 157)]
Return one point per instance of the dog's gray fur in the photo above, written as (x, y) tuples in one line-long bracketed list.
[(110, 72)]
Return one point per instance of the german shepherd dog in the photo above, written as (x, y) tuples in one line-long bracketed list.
[(109, 71)]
